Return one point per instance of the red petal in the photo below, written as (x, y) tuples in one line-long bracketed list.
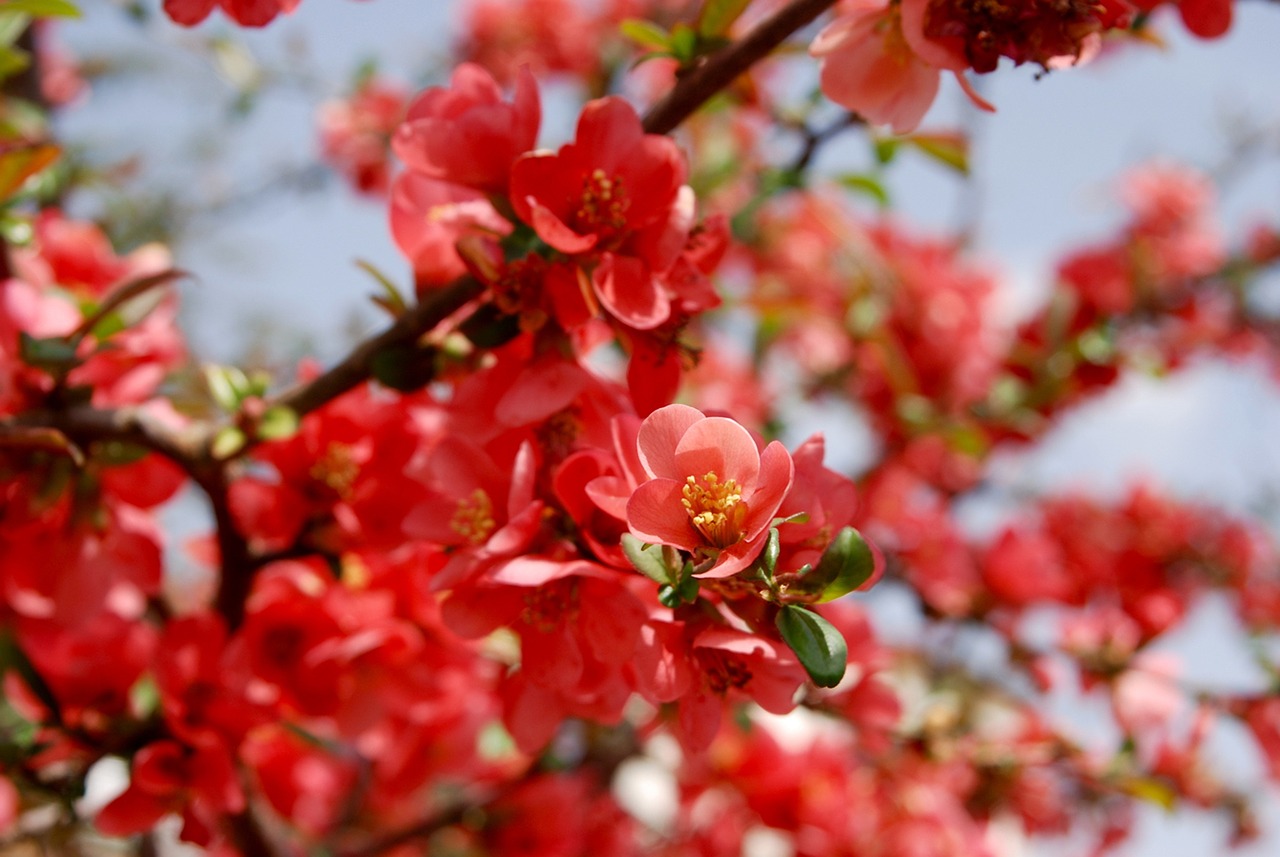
[(628, 290), (659, 433), (656, 515)]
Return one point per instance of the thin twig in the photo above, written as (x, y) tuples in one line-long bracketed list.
[(357, 367), (721, 68)]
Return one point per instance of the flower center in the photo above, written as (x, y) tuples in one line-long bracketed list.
[(549, 607), (715, 509), (473, 519), (604, 204), (337, 469), (722, 671)]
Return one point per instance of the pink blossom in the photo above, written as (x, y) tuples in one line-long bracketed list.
[(466, 133), (711, 491), (868, 66)]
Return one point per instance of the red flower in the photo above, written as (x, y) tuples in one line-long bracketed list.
[(613, 180), (711, 491), (248, 13), (428, 219), (355, 134), (199, 782), (616, 195), (700, 667), (304, 783), (466, 133), (868, 67)]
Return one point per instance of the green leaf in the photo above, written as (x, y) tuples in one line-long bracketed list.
[(647, 562), (12, 25), (867, 186), (684, 43), (1152, 790), (42, 8), (49, 353), (21, 161), (886, 148), (717, 16), (769, 556), (228, 385), (391, 299), (227, 442), (278, 422), (819, 646), (846, 564), (144, 697), (12, 61), (685, 592), (646, 34), (950, 149)]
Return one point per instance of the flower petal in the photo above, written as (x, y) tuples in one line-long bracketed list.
[(656, 515), (721, 446), (659, 433)]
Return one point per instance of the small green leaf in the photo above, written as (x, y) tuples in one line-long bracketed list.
[(867, 186), (686, 592), (769, 556), (819, 646), (12, 26), (950, 149), (144, 697), (21, 161), (12, 61), (391, 299), (717, 16), (846, 564), (278, 422), (646, 34), (50, 353), (494, 742), (684, 43), (1151, 790), (42, 8), (647, 562), (227, 442), (886, 148), (227, 384)]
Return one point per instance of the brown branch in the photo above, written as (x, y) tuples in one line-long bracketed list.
[(721, 68), (357, 367)]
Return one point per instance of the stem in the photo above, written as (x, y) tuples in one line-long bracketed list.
[(720, 69), (358, 365)]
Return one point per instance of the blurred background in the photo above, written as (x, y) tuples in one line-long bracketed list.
[(213, 132)]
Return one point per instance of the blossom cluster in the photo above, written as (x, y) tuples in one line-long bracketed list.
[(548, 533), (883, 59)]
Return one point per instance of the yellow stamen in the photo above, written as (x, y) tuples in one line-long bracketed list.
[(604, 203), (473, 519), (337, 468), (715, 509)]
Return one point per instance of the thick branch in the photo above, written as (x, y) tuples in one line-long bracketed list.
[(718, 70), (188, 448)]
